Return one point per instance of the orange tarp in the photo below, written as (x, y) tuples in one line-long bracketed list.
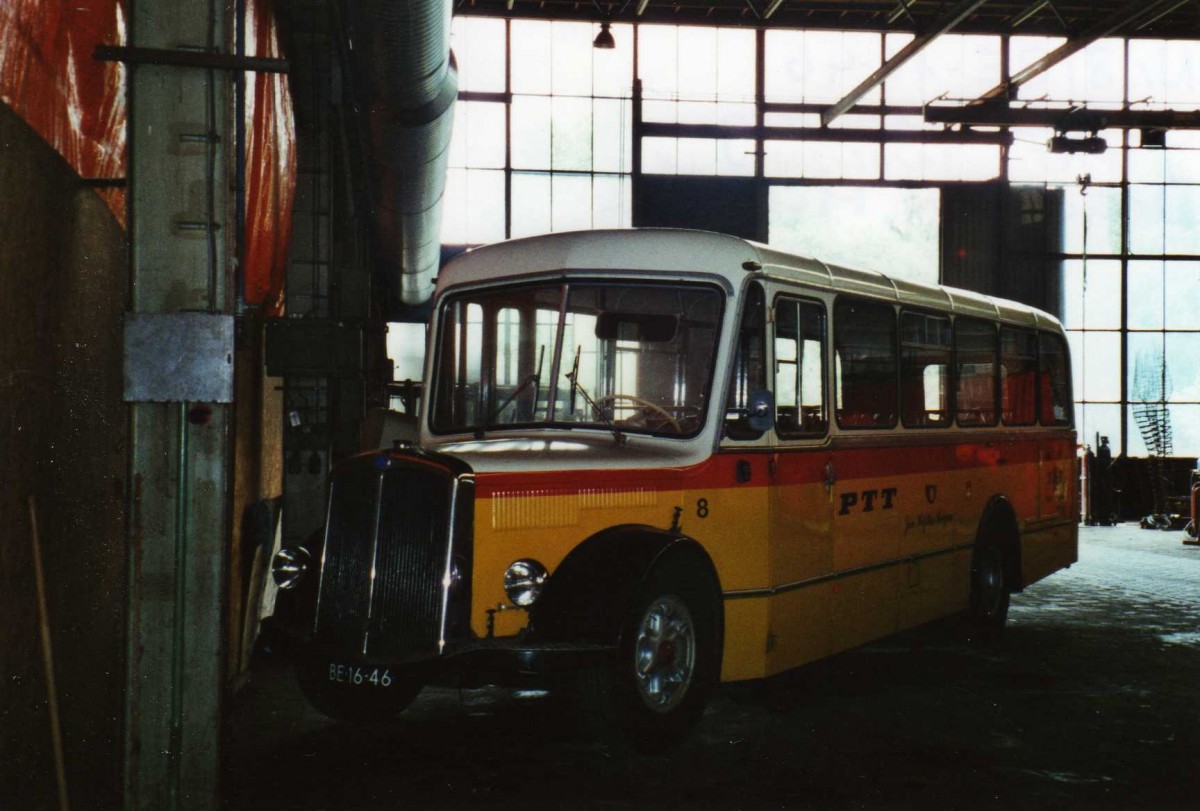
[(49, 77)]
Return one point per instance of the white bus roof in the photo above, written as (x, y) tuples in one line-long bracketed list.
[(686, 251)]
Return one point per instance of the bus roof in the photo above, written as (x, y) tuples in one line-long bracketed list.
[(687, 251)]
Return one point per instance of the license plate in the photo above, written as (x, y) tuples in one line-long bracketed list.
[(358, 676)]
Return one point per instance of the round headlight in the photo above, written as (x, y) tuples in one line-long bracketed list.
[(523, 581), (289, 565)]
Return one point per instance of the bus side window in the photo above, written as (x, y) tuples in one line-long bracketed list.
[(864, 340), (925, 370), (800, 368), (975, 350), (1018, 376), (1056, 380), (749, 366)]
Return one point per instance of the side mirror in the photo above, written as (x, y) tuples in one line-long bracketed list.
[(760, 409)]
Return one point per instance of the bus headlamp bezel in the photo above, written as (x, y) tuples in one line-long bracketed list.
[(289, 566), (524, 580)]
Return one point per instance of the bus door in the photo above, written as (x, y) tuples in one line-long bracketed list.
[(728, 508), (1054, 545), (868, 498), (1056, 454), (801, 549)]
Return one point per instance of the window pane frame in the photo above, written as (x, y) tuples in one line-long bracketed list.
[(914, 355), (851, 317), (987, 419), (818, 423)]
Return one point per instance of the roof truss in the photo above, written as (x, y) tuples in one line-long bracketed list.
[(1038, 17), (950, 19), (1135, 12)]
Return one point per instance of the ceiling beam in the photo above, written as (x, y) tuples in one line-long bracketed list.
[(1126, 15), (1144, 23), (1029, 12), (836, 135), (1063, 119), (902, 10), (952, 18)]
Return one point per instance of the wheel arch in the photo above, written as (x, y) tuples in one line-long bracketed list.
[(999, 525), (589, 594)]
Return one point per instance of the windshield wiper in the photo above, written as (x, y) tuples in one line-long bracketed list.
[(573, 376), (534, 378)]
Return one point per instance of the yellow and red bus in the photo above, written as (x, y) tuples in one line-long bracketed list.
[(653, 460)]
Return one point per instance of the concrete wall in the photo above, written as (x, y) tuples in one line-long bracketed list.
[(62, 440)]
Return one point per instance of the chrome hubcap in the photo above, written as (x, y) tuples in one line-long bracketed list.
[(665, 654)]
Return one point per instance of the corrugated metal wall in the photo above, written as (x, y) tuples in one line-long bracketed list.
[(1002, 240)]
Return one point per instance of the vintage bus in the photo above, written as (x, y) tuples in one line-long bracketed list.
[(653, 460)]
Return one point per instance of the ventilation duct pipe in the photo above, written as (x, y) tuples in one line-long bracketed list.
[(400, 53)]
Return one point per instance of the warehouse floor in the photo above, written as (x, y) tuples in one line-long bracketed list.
[(1090, 700)]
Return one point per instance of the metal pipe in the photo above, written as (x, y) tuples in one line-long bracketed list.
[(239, 146), (401, 65), (178, 620)]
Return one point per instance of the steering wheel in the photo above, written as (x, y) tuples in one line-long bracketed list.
[(644, 403)]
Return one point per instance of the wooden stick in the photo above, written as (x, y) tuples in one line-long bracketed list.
[(48, 659)]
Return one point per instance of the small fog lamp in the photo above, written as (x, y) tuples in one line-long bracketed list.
[(523, 582), (289, 565)]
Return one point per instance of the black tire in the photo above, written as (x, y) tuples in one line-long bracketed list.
[(667, 664), (355, 704), (990, 588)]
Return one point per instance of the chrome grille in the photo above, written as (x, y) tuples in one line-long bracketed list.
[(387, 546), (410, 562), (346, 566)]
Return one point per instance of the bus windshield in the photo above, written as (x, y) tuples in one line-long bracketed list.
[(627, 357)]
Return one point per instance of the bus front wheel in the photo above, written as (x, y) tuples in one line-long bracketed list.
[(990, 588), (667, 664)]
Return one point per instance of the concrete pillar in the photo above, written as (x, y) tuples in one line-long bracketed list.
[(180, 232)]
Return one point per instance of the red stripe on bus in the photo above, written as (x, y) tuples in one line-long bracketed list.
[(791, 468)]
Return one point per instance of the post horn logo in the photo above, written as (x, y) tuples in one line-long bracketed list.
[(931, 493)]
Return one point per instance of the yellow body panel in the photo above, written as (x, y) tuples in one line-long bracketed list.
[(806, 571), (546, 526), (745, 632)]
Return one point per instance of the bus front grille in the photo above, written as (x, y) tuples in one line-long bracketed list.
[(384, 564), (414, 531)]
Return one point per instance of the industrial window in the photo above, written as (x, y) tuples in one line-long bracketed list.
[(925, 370), (896, 229), (800, 368), (544, 142), (1056, 383), (1018, 376), (864, 341), (955, 66), (697, 75), (975, 350), (819, 66)]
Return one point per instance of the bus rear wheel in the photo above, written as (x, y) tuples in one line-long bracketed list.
[(990, 588), (667, 665)]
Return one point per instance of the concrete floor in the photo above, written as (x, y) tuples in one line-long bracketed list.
[(1091, 699)]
